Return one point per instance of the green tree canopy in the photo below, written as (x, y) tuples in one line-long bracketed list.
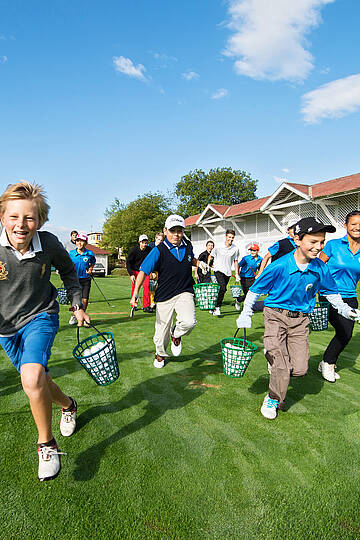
[(125, 223), (197, 189)]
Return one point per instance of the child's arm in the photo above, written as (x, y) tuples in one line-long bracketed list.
[(244, 319), (341, 307)]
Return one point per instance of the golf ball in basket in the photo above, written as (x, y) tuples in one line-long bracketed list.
[(86, 352)]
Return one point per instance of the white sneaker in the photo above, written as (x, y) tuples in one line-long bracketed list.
[(49, 462), (237, 305), (73, 320), (176, 345), (269, 408), (159, 361), (211, 311), (68, 421), (328, 371), (216, 312)]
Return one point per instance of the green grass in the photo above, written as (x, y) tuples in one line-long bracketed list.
[(183, 452)]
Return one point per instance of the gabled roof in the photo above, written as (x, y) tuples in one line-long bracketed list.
[(191, 220), (245, 207)]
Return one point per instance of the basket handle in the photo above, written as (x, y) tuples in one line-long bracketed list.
[(92, 326), (244, 336)]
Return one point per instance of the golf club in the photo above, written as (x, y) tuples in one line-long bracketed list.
[(92, 277)]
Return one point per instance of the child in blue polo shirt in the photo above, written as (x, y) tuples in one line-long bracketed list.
[(84, 260), (249, 265), (342, 256), (291, 284)]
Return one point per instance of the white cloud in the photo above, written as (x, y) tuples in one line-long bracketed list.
[(126, 66), (332, 100), (3, 59), (269, 37), (219, 94), (189, 75), (164, 59), (286, 171)]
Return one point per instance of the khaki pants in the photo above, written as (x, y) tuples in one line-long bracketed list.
[(287, 350), (184, 306)]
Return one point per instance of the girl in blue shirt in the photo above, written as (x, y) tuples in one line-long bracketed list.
[(342, 256)]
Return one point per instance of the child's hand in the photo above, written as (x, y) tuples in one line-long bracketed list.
[(243, 321)]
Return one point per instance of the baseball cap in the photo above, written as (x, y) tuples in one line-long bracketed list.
[(254, 247), (174, 221), (312, 225), (81, 236), (143, 237)]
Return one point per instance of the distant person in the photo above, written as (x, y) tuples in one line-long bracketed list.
[(224, 257), (29, 315), (248, 265), (84, 260), (159, 237), (207, 258), (70, 245), (133, 262), (280, 248)]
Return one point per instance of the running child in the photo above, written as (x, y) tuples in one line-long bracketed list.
[(207, 258), (29, 312), (84, 260), (173, 259), (133, 262), (224, 257), (291, 284), (159, 237), (342, 256)]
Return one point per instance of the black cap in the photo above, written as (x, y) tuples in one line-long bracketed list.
[(312, 225)]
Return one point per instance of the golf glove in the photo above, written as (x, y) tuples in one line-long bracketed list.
[(237, 278), (203, 267), (343, 309), (243, 320)]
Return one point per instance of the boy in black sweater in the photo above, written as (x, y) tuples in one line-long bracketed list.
[(133, 262)]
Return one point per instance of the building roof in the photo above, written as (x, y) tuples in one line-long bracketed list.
[(98, 251), (314, 191)]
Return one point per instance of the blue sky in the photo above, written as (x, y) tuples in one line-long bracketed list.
[(118, 98)]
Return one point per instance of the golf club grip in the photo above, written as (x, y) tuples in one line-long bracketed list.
[(92, 326)]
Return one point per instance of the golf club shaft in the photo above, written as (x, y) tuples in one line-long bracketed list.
[(100, 290)]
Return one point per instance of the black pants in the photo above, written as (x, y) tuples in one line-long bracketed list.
[(222, 280), (85, 284), (246, 283), (343, 331)]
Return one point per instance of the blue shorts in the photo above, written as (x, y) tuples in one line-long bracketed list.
[(32, 343)]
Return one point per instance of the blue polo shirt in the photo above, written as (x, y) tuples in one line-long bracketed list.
[(344, 265), (249, 266), (275, 247), (82, 262), (290, 288), (150, 263)]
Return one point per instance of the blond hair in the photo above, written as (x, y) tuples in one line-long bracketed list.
[(32, 192)]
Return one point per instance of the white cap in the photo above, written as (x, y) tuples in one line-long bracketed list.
[(174, 221), (81, 236), (143, 237), (291, 223)]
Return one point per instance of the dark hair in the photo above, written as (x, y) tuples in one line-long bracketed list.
[(73, 232), (230, 231), (351, 214), (210, 242)]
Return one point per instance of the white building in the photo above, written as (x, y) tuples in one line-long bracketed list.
[(265, 220)]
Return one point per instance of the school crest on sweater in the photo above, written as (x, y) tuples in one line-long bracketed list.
[(3, 271)]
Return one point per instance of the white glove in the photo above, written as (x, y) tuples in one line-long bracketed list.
[(355, 315), (237, 278), (243, 320), (204, 267), (341, 307)]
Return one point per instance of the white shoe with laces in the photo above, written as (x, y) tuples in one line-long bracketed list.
[(159, 361), (269, 408), (216, 312), (68, 421), (49, 462), (328, 371), (176, 345), (73, 320)]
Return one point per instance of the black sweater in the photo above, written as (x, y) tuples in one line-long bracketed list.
[(135, 258)]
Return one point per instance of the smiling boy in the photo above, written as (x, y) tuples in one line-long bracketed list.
[(291, 284), (29, 312)]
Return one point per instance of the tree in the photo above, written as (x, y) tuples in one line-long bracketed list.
[(125, 223), (197, 189)]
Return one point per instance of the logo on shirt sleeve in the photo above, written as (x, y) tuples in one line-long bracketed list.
[(3, 271)]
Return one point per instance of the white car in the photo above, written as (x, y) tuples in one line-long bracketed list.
[(99, 270)]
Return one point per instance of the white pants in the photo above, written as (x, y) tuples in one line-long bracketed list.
[(184, 306)]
